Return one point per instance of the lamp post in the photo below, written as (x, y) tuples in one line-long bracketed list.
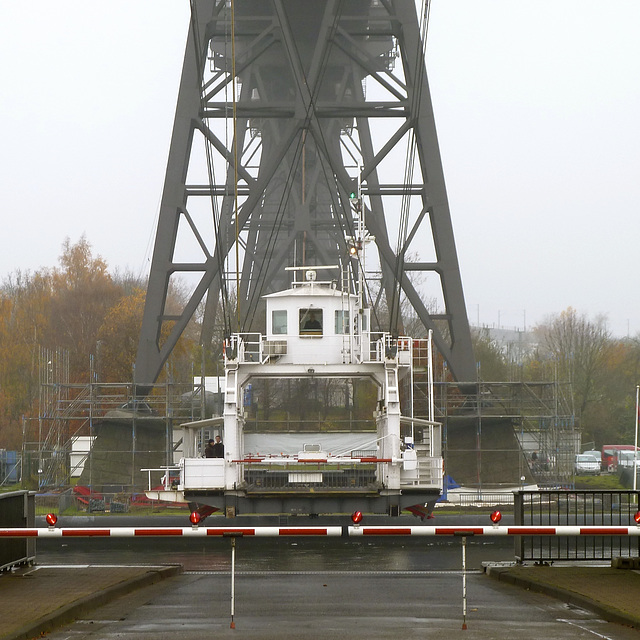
[(635, 449)]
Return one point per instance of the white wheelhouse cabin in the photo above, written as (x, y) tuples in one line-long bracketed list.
[(315, 331)]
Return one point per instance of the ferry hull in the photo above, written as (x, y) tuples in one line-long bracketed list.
[(313, 504)]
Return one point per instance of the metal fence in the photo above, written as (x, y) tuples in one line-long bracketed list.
[(17, 510), (302, 477), (71, 503), (480, 498), (562, 507)]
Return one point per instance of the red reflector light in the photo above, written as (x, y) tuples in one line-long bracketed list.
[(356, 516), (637, 517), (496, 516), (51, 518), (194, 518)]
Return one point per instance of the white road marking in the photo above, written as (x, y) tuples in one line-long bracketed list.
[(580, 626)]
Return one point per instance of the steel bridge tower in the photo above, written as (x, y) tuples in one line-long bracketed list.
[(285, 108)]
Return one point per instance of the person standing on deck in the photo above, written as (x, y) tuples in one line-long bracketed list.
[(218, 448)]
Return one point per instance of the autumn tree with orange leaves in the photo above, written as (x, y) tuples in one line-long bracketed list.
[(78, 307)]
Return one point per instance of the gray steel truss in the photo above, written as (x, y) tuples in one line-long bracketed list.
[(328, 94)]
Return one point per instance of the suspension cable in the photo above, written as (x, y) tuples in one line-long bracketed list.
[(287, 189), (235, 155)]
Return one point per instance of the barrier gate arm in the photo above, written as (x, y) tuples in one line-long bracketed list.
[(514, 530), (175, 532), (351, 531), (333, 531)]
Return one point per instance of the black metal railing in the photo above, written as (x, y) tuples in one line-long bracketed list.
[(343, 477), (17, 509), (579, 508)]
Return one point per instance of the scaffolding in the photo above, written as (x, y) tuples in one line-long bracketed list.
[(539, 415), (494, 433), (71, 412)]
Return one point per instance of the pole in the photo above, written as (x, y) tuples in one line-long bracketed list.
[(635, 450), (464, 583), (360, 241), (430, 376), (233, 581), (233, 535)]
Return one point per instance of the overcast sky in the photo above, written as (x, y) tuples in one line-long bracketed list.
[(537, 108)]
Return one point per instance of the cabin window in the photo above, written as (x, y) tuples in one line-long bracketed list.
[(279, 322), (342, 322), (310, 322)]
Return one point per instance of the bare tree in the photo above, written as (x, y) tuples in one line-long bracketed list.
[(579, 347)]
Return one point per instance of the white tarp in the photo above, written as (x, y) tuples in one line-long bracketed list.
[(292, 443)]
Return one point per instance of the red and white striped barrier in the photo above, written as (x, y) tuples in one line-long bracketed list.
[(515, 530), (336, 531), (358, 530), (185, 532)]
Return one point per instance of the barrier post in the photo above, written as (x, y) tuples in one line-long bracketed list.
[(233, 581), (463, 534), (233, 535), (464, 582), (518, 519)]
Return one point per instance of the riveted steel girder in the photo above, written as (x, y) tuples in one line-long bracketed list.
[(327, 94)]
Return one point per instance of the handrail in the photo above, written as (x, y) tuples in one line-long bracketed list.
[(166, 479)]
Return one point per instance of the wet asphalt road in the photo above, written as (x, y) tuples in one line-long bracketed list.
[(372, 605)]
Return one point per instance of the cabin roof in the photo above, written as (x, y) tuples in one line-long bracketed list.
[(308, 290)]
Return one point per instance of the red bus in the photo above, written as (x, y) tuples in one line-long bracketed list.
[(610, 455)]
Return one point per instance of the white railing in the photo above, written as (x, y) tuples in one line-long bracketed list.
[(426, 473), (371, 347), (170, 477), (293, 474)]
